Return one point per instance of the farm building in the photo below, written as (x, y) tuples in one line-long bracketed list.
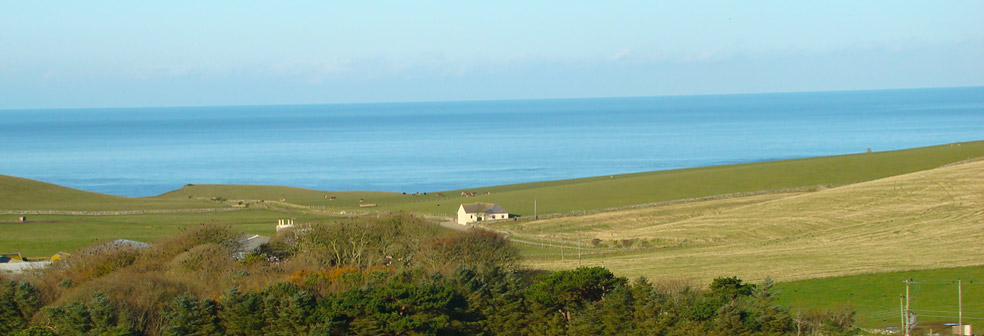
[(11, 258), (15, 263), (125, 244), (474, 212), (283, 224)]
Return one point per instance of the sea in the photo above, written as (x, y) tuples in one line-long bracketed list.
[(435, 146)]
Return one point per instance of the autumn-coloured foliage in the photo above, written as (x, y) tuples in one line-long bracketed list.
[(381, 276)]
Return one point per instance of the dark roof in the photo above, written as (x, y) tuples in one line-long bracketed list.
[(126, 243), (489, 208), (250, 242), (115, 245)]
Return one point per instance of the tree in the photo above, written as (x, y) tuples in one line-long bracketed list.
[(568, 291), (730, 288), (187, 315), (98, 316), (241, 313), (18, 303)]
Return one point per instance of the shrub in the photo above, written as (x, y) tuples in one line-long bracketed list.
[(473, 247)]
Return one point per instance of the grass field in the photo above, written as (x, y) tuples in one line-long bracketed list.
[(875, 297), (44, 235), (922, 220), (620, 190)]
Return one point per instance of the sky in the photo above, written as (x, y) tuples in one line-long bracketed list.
[(69, 54)]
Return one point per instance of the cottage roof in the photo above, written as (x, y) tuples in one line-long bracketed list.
[(250, 242), (489, 208), (126, 243)]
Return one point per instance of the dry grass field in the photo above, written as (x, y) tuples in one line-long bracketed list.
[(922, 220)]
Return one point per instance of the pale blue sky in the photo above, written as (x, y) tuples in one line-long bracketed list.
[(175, 53)]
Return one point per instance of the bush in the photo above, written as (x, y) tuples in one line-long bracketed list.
[(475, 247)]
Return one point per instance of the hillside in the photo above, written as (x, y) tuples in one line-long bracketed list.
[(24, 194), (922, 220), (603, 192)]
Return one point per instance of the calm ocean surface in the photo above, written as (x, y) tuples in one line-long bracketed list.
[(439, 146)]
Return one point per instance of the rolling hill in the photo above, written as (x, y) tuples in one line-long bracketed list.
[(24, 194), (604, 192)]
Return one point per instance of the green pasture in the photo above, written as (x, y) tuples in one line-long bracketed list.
[(565, 196), (875, 297), (44, 235)]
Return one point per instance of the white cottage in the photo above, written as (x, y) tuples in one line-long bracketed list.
[(474, 212)]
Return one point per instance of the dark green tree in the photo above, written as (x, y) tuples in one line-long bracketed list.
[(188, 315), (567, 291), (241, 313)]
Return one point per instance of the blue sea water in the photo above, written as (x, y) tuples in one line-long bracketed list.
[(448, 145)]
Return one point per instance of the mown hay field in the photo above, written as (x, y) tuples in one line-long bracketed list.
[(923, 220)]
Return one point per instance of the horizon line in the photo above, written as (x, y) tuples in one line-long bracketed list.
[(4, 109)]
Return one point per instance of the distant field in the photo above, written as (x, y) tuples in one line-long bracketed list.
[(875, 297), (46, 234), (923, 220), (620, 190), (345, 200)]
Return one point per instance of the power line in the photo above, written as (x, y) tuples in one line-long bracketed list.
[(948, 311), (945, 316)]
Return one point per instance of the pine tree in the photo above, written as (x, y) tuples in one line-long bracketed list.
[(241, 313), (187, 315), (10, 316)]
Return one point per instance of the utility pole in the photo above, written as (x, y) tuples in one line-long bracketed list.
[(535, 216), (902, 312), (907, 312), (960, 305)]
